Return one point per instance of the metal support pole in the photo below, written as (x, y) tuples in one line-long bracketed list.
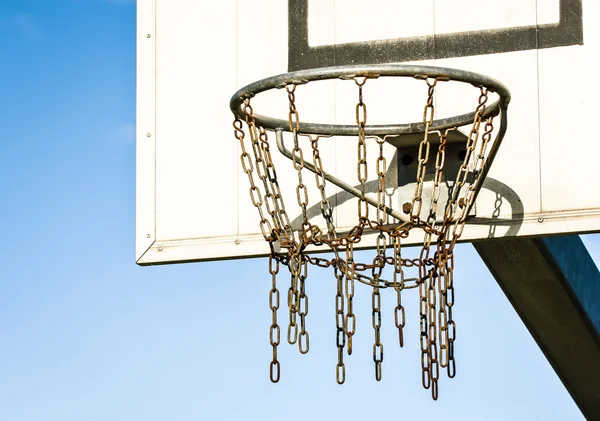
[(554, 285)]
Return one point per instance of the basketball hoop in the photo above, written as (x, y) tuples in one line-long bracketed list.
[(440, 221)]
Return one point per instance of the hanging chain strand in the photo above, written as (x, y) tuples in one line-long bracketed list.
[(432, 353), (361, 122), (379, 261), (449, 302), (248, 168), (446, 251), (340, 338), (438, 320), (298, 158), (293, 299), (296, 260), (425, 286), (399, 312), (381, 167), (424, 146), (326, 210), (443, 312), (274, 331), (463, 172), (423, 310), (273, 198), (438, 178), (350, 320), (327, 213), (303, 339)]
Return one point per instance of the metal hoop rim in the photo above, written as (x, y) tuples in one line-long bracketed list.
[(236, 103)]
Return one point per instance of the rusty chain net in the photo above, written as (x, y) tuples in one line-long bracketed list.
[(441, 223)]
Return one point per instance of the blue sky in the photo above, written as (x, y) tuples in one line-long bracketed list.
[(87, 335)]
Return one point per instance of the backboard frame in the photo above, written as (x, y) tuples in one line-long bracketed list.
[(566, 32)]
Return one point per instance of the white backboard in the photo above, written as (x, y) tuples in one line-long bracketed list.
[(192, 197)]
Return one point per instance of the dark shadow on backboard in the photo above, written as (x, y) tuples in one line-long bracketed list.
[(504, 196), (568, 31)]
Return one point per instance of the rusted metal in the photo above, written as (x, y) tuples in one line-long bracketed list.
[(434, 265)]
